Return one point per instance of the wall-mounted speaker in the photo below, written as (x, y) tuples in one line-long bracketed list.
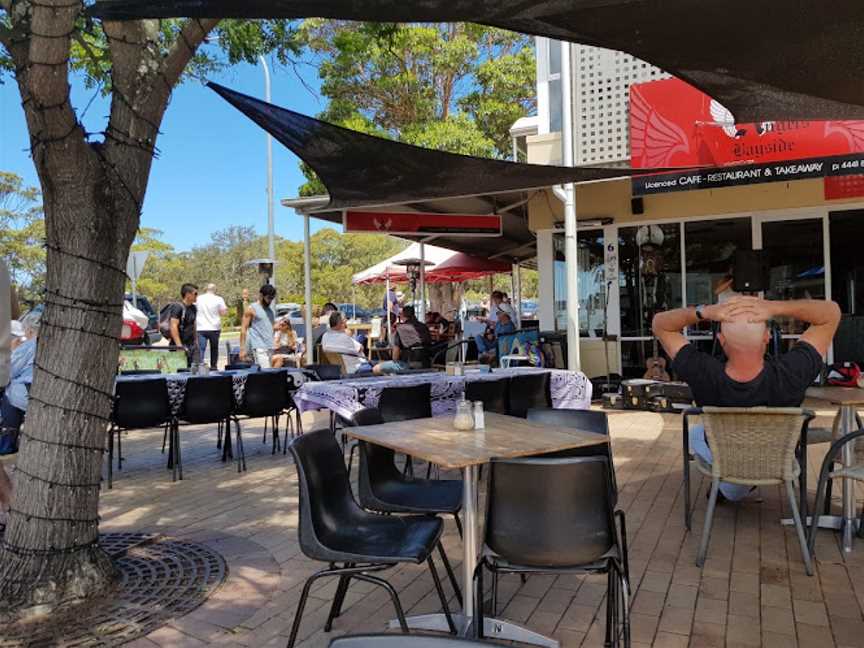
[(637, 205), (751, 271)]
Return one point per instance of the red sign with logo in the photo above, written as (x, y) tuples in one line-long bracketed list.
[(413, 224), (674, 124)]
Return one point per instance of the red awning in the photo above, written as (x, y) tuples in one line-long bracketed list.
[(464, 267)]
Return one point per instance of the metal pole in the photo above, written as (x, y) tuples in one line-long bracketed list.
[(421, 313), (571, 245), (517, 292), (307, 287), (387, 303), (271, 244)]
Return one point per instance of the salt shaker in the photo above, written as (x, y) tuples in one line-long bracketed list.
[(479, 416)]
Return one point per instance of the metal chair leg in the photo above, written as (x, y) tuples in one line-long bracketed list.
[(336, 607), (298, 615), (441, 594), (709, 518), (450, 575), (241, 451), (799, 528), (394, 597), (458, 524), (610, 606), (219, 435), (165, 436), (264, 440), (478, 602)]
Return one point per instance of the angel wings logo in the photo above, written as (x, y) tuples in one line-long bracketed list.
[(654, 138), (722, 117), (383, 226)]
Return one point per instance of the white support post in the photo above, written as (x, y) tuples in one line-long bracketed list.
[(307, 286), (571, 244), (421, 313), (516, 283)]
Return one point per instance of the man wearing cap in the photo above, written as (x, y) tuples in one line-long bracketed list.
[(487, 344)]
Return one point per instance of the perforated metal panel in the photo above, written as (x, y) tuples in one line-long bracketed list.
[(601, 85)]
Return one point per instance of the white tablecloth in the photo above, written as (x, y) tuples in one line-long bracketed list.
[(570, 390)]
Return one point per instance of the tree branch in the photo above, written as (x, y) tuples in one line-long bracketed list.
[(192, 34)]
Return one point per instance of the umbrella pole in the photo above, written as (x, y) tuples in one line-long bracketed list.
[(422, 309)]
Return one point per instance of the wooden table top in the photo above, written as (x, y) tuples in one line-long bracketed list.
[(505, 437), (838, 395)]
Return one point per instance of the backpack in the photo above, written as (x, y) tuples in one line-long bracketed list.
[(844, 374), (165, 320)]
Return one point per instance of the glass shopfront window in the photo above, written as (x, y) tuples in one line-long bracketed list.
[(649, 275), (709, 253), (592, 289), (796, 262)]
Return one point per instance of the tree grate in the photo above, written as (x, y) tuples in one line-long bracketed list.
[(160, 579)]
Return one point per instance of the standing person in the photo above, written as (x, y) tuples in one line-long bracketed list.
[(748, 377), (211, 307), (256, 330), (182, 316)]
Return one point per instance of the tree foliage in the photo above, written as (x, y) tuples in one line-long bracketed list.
[(22, 234), (450, 86)]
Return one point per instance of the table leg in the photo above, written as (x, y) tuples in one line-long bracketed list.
[(847, 425)]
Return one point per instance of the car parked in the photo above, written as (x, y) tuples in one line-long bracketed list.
[(150, 330)]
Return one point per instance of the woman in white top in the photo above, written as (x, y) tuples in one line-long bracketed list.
[(285, 344)]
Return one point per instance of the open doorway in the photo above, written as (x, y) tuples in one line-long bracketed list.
[(847, 283)]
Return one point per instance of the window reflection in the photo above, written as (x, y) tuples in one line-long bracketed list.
[(592, 289), (649, 275), (796, 262), (710, 248)]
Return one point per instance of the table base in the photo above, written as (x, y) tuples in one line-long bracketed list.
[(492, 629), (834, 522)]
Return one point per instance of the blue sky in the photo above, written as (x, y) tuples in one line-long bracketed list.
[(212, 167)]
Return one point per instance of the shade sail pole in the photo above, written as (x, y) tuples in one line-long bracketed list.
[(422, 310), (307, 287), (571, 245)]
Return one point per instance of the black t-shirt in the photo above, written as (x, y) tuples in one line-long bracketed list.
[(186, 315), (782, 382)]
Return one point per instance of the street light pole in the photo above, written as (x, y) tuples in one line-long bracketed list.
[(271, 245)]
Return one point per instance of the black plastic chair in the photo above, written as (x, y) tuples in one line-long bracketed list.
[(325, 371), (585, 421), (210, 399), (238, 366), (493, 393), (141, 372), (405, 404), (138, 404), (264, 397), (381, 487), (528, 391), (411, 641), (557, 516), (334, 529)]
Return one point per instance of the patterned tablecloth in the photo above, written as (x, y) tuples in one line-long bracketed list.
[(177, 384), (570, 390)]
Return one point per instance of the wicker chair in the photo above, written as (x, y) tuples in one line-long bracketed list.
[(754, 447)]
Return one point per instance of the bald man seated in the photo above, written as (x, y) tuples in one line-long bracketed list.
[(748, 378)]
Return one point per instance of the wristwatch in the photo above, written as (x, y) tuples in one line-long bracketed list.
[(699, 315)]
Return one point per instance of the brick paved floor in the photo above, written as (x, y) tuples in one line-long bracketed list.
[(751, 592)]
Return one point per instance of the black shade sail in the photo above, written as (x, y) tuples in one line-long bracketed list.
[(360, 170), (762, 59)]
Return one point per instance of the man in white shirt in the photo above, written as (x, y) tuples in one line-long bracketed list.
[(337, 340), (211, 307)]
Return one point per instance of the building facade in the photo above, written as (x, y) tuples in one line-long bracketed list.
[(651, 246)]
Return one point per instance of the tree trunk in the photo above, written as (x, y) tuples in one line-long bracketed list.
[(445, 299), (50, 556)]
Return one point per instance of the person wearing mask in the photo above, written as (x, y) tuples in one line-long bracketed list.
[(182, 316), (211, 307), (748, 377), (256, 330)]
